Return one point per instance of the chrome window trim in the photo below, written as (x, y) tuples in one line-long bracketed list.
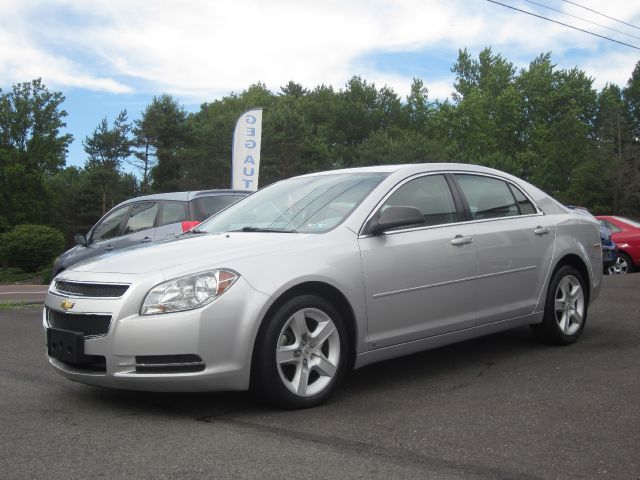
[(538, 213), (415, 229)]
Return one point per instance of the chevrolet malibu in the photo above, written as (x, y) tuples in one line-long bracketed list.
[(285, 290)]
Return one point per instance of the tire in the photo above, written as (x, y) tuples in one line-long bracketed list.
[(623, 265), (565, 312), (300, 354)]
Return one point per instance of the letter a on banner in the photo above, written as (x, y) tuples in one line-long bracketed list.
[(245, 161)]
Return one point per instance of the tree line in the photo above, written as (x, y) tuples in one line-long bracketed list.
[(547, 125)]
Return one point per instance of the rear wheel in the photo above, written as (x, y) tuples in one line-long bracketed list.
[(566, 307), (300, 354)]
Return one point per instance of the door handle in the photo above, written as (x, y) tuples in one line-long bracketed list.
[(145, 239), (108, 248), (460, 240), (541, 230)]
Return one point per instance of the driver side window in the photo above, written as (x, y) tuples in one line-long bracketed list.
[(429, 194), (110, 227)]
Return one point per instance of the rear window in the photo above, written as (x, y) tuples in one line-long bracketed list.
[(204, 207), (141, 217), (525, 206), (487, 197)]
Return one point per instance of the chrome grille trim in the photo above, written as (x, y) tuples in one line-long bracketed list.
[(95, 290)]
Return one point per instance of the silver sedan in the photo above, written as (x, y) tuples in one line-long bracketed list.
[(284, 291)]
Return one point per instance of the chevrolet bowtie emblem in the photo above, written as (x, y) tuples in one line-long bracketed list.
[(67, 305)]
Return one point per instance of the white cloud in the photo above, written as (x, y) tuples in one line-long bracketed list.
[(206, 49), (615, 68), (21, 60)]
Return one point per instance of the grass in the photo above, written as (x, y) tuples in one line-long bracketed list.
[(15, 275), (19, 306)]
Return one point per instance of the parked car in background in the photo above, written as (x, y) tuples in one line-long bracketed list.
[(626, 233), (146, 219), (285, 290), (609, 249)]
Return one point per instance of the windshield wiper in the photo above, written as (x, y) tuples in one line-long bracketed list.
[(261, 229), (193, 232)]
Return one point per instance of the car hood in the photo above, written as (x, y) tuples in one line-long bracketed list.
[(69, 252), (200, 251)]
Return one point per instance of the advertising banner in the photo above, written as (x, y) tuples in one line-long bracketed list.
[(245, 161)]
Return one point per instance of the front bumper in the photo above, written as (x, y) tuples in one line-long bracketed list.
[(205, 349)]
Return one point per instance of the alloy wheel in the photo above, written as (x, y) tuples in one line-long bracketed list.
[(308, 352), (569, 305), (620, 267)]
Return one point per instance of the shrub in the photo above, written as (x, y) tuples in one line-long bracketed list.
[(45, 274), (30, 247), (4, 225)]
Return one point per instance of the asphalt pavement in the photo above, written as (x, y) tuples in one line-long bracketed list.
[(503, 406)]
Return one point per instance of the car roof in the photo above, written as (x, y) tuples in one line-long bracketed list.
[(410, 167), (185, 196)]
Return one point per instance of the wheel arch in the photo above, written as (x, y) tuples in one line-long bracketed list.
[(624, 251), (329, 293), (578, 263)]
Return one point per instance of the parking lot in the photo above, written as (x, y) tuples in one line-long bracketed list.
[(502, 406)]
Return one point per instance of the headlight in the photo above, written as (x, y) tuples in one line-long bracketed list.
[(188, 292)]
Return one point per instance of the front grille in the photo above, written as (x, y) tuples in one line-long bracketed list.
[(91, 289), (87, 324)]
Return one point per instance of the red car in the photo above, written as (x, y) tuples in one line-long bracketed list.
[(626, 233)]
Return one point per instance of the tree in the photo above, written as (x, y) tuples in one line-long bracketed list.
[(417, 106), (485, 117), (145, 157), (160, 136), (631, 144), (107, 148), (30, 122), (31, 147), (632, 100)]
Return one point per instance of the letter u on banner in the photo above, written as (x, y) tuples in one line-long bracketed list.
[(245, 161)]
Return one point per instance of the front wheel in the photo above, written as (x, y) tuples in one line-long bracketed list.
[(566, 307), (300, 353), (623, 265)]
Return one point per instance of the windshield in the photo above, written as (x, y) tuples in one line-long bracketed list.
[(313, 204)]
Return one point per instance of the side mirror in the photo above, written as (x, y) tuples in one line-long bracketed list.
[(80, 240), (393, 217)]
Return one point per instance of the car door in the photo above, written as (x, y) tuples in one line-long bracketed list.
[(515, 246), (139, 227), (105, 232), (420, 281)]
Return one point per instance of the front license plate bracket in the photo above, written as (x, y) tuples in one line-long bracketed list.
[(65, 346)]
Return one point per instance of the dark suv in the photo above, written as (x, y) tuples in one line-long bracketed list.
[(147, 219)]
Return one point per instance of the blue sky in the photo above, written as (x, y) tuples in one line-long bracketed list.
[(109, 55)]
